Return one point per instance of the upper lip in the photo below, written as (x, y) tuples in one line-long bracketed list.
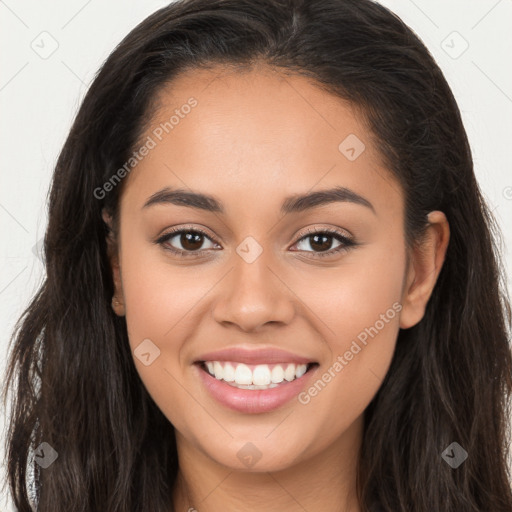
[(254, 356)]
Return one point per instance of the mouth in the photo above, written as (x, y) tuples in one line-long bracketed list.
[(253, 381), (255, 376)]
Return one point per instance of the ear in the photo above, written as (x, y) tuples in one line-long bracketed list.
[(113, 256), (425, 263)]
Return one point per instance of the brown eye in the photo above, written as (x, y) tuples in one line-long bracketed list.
[(191, 241), (320, 243), (183, 241)]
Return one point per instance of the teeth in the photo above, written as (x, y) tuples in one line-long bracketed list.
[(289, 373), (229, 373), (277, 374), (301, 370), (243, 375), (260, 377), (218, 370), (252, 386)]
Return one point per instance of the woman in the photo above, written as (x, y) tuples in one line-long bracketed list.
[(272, 281)]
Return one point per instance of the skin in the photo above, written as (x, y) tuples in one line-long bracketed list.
[(255, 138)]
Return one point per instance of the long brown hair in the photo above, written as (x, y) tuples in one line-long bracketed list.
[(71, 372)]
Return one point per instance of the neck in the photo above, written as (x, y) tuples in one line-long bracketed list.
[(325, 481)]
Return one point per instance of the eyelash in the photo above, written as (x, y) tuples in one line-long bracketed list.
[(346, 242)]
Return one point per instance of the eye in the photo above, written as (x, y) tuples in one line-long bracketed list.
[(320, 241), (189, 241)]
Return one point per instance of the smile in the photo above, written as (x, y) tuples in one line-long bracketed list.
[(255, 377), (253, 381)]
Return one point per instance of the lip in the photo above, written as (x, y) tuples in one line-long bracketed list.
[(250, 401), (254, 356)]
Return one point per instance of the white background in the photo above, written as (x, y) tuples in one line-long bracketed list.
[(39, 98)]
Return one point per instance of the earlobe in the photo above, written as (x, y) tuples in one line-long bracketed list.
[(426, 261), (113, 256)]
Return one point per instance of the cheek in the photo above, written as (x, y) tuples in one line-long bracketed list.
[(163, 303), (361, 349), (351, 297), (358, 307), (158, 294)]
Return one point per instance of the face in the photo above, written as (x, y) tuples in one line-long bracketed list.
[(266, 283)]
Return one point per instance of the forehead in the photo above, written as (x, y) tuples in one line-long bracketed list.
[(258, 135)]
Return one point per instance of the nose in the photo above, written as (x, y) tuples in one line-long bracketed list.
[(252, 295)]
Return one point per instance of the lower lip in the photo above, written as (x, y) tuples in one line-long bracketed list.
[(253, 401)]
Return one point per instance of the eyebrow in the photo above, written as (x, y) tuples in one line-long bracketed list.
[(292, 204)]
